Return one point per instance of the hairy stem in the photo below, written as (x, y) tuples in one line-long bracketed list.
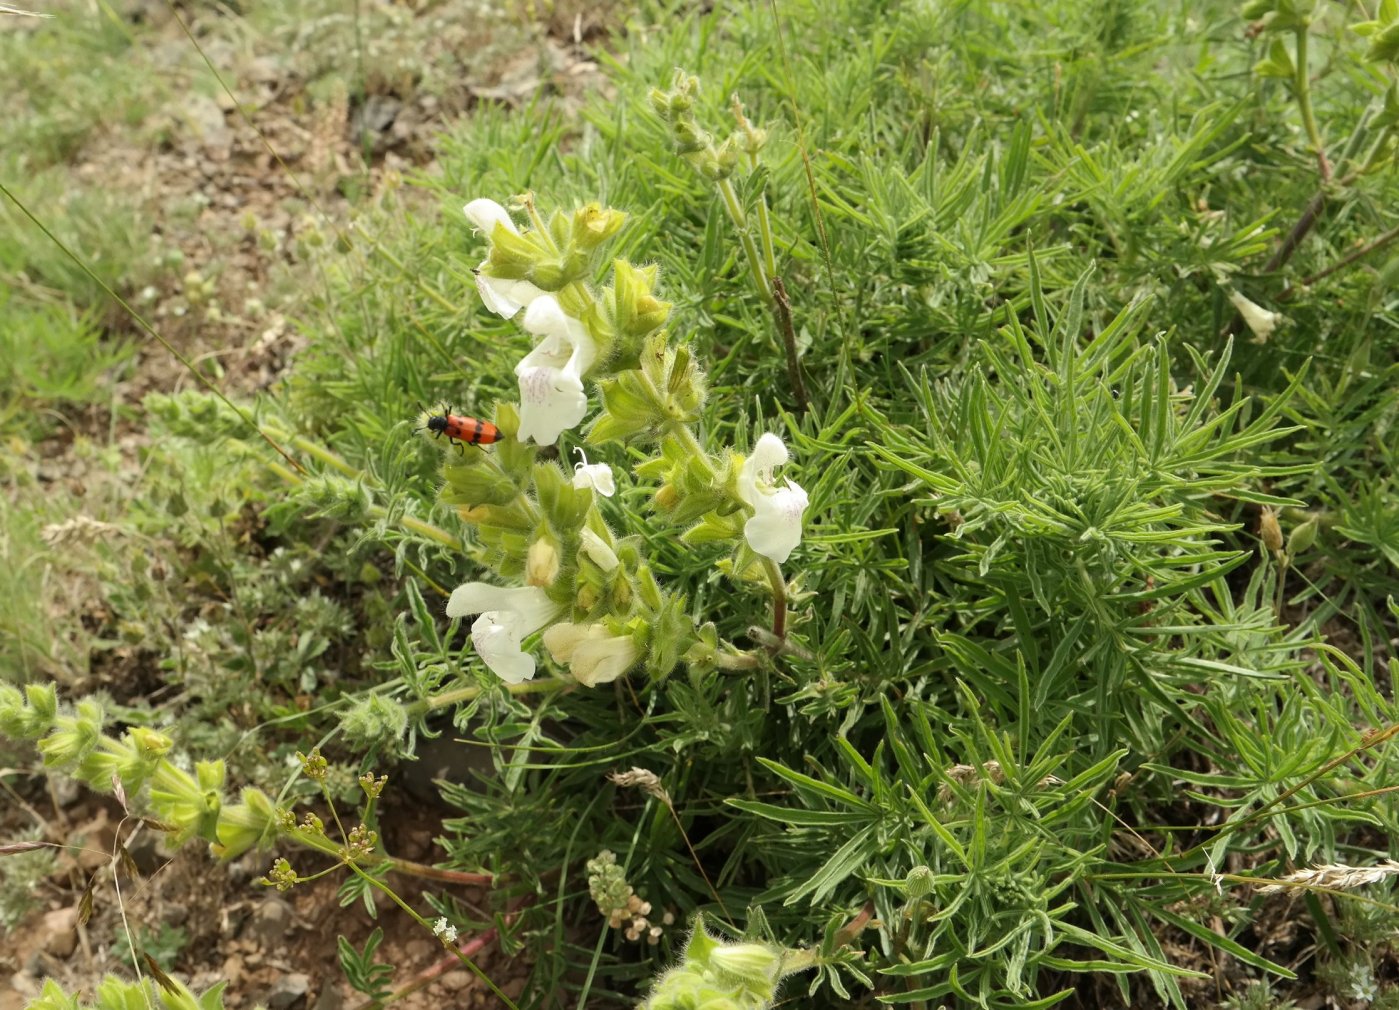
[(779, 598), (745, 236)]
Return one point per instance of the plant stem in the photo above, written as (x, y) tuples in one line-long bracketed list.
[(779, 598), (461, 694), (425, 529), (782, 309), (1303, 86), (434, 873), (1348, 259), (742, 661), (740, 220), (465, 959)]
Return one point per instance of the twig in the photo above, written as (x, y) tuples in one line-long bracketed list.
[(782, 310), (426, 872), (1346, 260)]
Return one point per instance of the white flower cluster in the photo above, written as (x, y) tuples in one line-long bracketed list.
[(552, 399)]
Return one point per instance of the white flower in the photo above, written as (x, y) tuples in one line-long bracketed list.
[(502, 296), (776, 526), (508, 616), (597, 476), (486, 214), (446, 932), (594, 655), (1256, 317), (597, 549), (551, 376)]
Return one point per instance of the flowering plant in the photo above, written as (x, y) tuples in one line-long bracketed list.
[(590, 591)]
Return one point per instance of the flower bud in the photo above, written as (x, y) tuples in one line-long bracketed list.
[(597, 550), (1269, 530), (594, 224), (1302, 537), (375, 720), (542, 563), (149, 743), (728, 155), (550, 274), (919, 882), (753, 965)]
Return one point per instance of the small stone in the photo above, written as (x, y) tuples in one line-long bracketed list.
[(59, 930), (455, 981), (270, 923), (232, 970), (289, 991), (331, 997)]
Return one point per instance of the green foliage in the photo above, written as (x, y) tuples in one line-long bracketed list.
[(361, 970), (21, 874), (163, 944), (1045, 704)]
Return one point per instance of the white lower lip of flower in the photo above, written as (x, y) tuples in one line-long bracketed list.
[(776, 526), (506, 297), (496, 636), (551, 402), (594, 655)]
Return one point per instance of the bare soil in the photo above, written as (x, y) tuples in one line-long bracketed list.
[(240, 190)]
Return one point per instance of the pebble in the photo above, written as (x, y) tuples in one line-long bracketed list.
[(60, 932), (289, 990)]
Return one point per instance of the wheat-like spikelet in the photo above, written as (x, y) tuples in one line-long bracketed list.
[(1334, 875), (649, 782), (78, 530)]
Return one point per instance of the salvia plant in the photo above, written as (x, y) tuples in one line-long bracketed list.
[(987, 667)]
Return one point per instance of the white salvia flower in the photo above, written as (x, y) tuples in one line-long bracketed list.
[(501, 295), (594, 655), (1256, 317), (486, 214), (597, 549), (597, 476), (551, 376), (508, 616), (776, 526)]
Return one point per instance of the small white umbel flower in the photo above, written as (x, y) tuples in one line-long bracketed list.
[(503, 296), (508, 617), (776, 526), (551, 376)]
